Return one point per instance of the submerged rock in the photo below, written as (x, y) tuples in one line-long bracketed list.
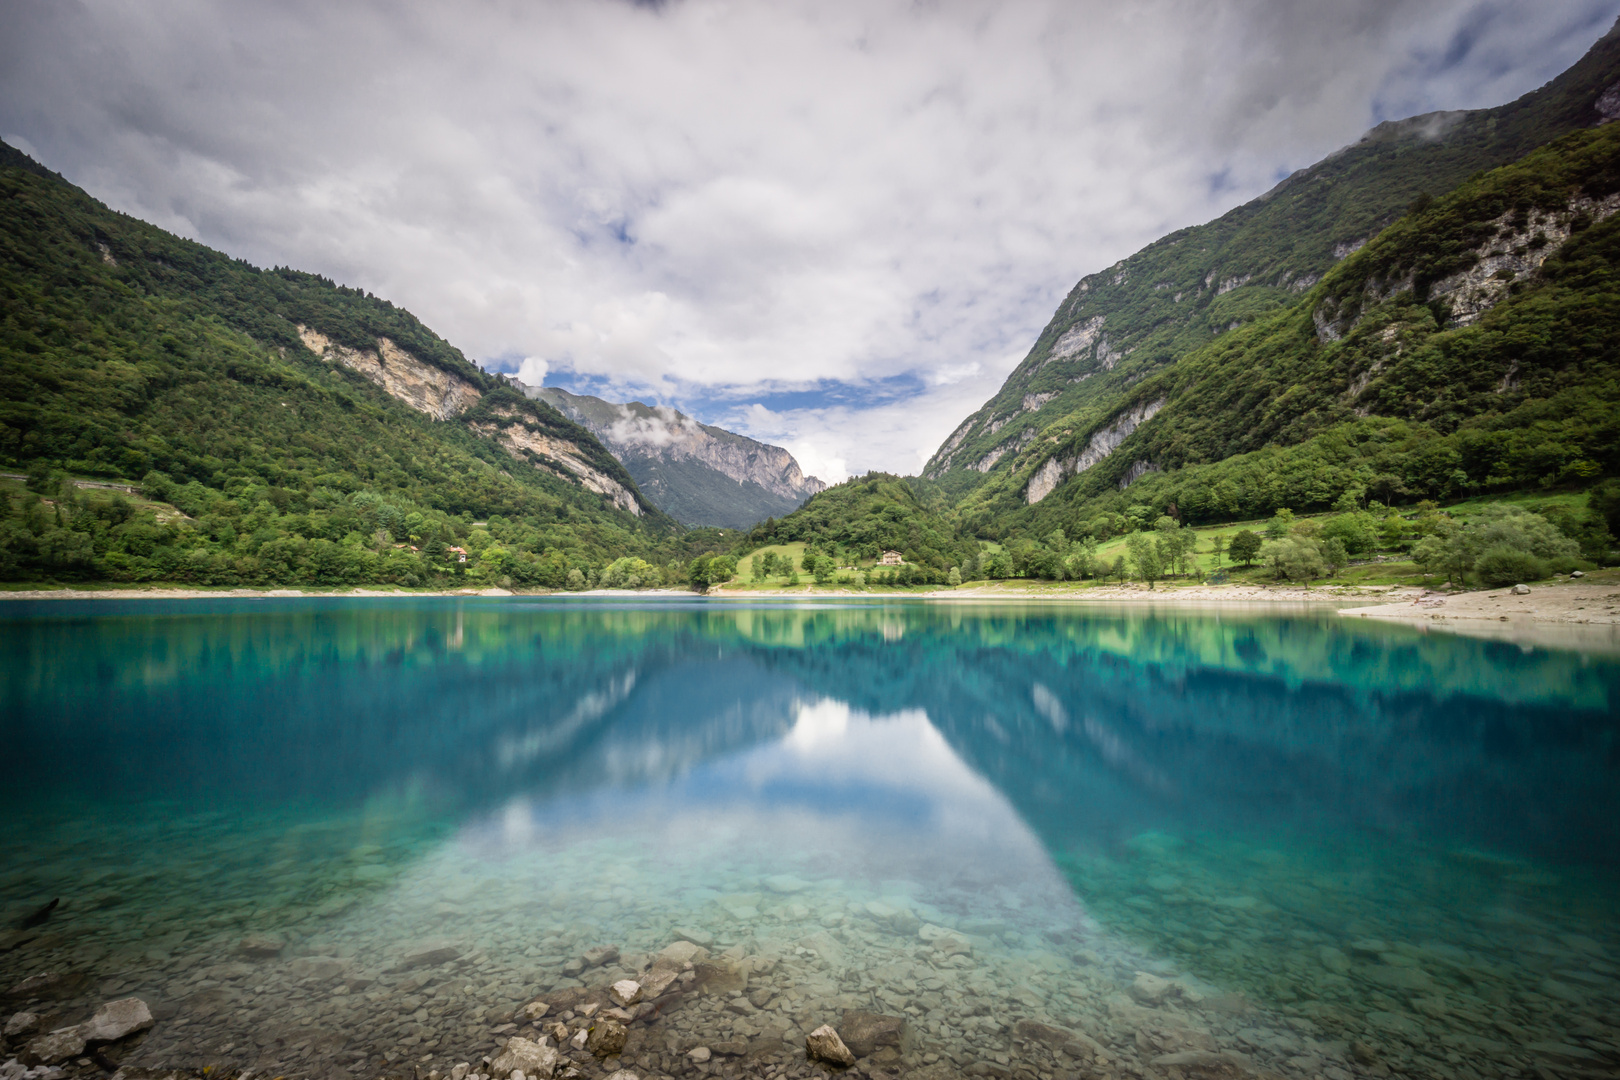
[(117, 1019), (58, 1046), (534, 1059), (824, 1044), (1152, 989), (602, 954), (1334, 960), (867, 1032), (607, 1038), (428, 955), (261, 946)]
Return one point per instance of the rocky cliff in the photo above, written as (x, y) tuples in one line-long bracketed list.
[(696, 473), (423, 387)]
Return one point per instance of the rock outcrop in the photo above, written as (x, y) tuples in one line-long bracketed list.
[(555, 455), (423, 387), (1101, 444)]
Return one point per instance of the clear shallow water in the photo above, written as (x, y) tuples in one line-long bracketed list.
[(1346, 849)]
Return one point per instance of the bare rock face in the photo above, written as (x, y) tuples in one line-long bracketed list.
[(823, 1044), (533, 1059), (564, 459), (117, 1019), (865, 1033), (23, 1023), (420, 385)]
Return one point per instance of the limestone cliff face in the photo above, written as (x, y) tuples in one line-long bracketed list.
[(697, 473), (1100, 445), (557, 456), (420, 385)]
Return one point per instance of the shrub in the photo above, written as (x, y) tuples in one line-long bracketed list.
[(1503, 564)]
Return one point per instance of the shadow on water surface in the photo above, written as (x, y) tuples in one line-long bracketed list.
[(1299, 844)]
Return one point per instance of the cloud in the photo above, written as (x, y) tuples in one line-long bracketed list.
[(663, 427), (532, 370), (710, 203)]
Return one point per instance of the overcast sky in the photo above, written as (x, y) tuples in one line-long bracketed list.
[(832, 225)]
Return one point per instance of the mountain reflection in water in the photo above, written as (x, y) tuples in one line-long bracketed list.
[(1324, 834)]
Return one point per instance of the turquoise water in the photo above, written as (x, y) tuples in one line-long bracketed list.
[(1052, 841)]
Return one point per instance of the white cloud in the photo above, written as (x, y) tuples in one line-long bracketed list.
[(711, 202), (533, 371)]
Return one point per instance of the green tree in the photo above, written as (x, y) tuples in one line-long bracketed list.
[(1294, 558), (1245, 547), (1334, 555), (1144, 552), (1280, 524)]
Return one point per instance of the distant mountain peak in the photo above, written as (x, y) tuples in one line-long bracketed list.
[(697, 473)]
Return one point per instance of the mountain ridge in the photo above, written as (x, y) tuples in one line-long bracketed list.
[(697, 473), (1120, 325)]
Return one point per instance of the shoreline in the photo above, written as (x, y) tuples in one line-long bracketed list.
[(1564, 614)]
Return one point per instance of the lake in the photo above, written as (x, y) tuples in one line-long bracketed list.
[(356, 837)]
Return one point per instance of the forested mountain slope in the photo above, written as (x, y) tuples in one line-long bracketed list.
[(1129, 322), (1472, 346), (697, 473), (131, 353)]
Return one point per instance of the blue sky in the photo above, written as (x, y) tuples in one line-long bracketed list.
[(830, 224)]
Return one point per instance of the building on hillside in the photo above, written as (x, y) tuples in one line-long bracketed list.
[(891, 558), (459, 552)]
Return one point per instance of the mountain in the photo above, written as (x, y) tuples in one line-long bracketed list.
[(1473, 346), (277, 411), (698, 474), (1074, 400)]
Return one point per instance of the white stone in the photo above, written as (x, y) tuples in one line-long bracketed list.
[(626, 992), (699, 1053), (533, 1059), (116, 1019), (825, 1045), (1521, 590)]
